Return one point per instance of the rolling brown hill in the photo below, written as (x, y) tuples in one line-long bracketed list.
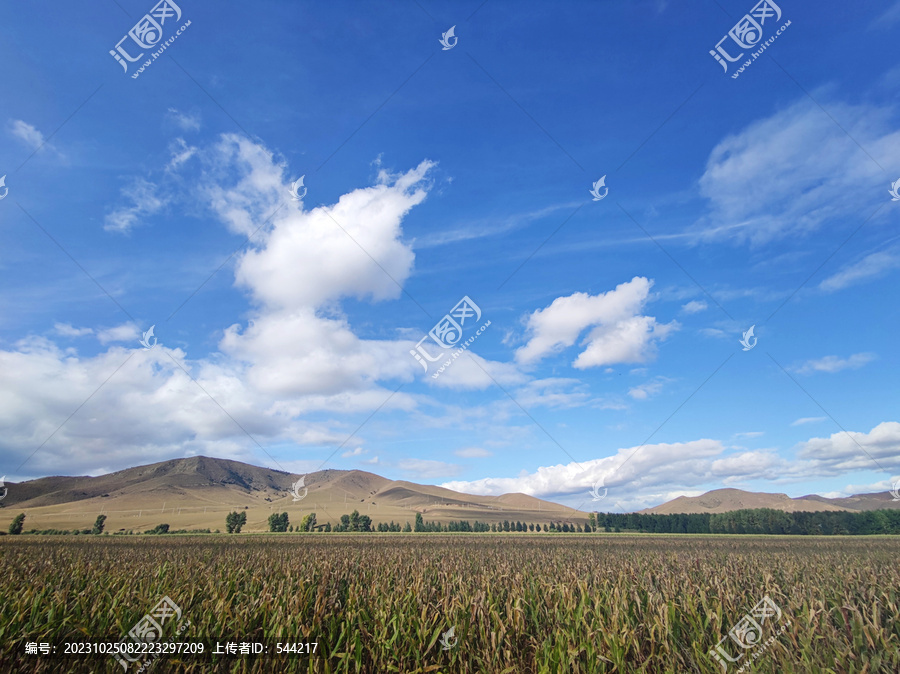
[(197, 493), (876, 501), (726, 500)]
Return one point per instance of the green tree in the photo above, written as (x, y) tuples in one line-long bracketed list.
[(278, 522), (234, 521), (15, 528), (99, 523), (327, 526), (159, 529), (308, 523), (420, 524), (407, 527)]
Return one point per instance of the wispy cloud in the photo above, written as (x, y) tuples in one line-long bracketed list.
[(180, 152), (66, 330), (27, 133), (833, 364), (807, 420), (648, 389), (127, 332), (871, 266), (694, 307), (492, 227), (473, 453), (792, 171), (145, 200), (185, 121)]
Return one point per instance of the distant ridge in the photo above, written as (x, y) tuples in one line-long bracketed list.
[(727, 500)]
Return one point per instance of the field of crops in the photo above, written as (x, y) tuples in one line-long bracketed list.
[(518, 603)]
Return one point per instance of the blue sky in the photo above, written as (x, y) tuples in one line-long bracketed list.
[(612, 357)]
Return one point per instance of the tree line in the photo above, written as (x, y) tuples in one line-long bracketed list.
[(755, 521)]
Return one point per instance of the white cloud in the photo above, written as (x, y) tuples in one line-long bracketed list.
[(185, 121), (648, 389), (749, 434), (694, 306), (371, 462), (619, 335), (473, 453), (807, 420), (145, 201), (180, 152), (791, 172), (359, 451), (67, 330), (554, 392), (127, 332), (833, 364), (748, 465), (650, 474), (28, 134), (844, 452), (648, 467), (296, 354), (472, 372), (871, 266)]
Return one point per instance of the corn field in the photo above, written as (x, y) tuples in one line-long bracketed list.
[(384, 602)]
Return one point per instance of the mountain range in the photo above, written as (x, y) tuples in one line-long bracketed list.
[(197, 492)]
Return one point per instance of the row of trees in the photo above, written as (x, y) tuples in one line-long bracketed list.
[(18, 524), (757, 521)]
